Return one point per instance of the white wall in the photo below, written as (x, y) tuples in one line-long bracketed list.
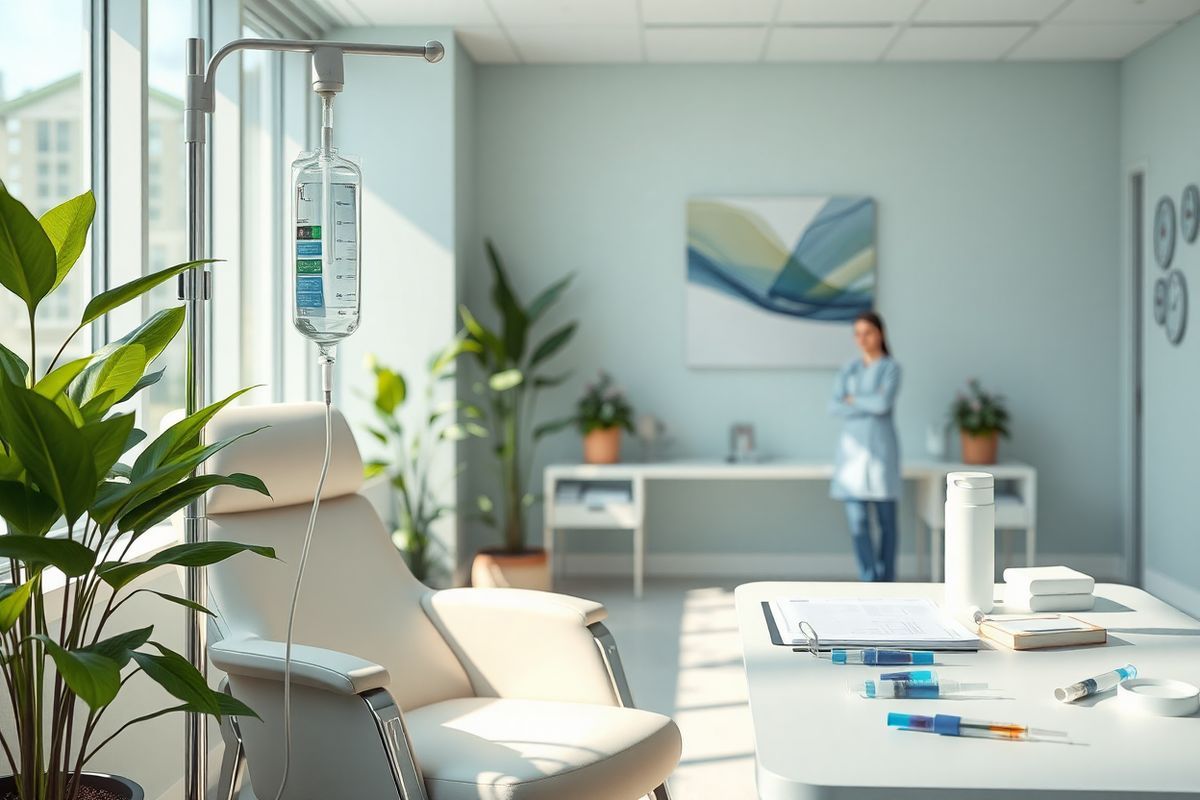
[(998, 259), (1160, 131)]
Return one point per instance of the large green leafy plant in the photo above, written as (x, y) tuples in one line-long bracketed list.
[(74, 501), (513, 378), (979, 412), (411, 449)]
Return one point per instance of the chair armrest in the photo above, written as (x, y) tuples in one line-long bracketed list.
[(525, 644), (317, 667)]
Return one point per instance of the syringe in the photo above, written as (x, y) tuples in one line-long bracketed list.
[(872, 657), (1100, 683), (950, 725), (922, 685)]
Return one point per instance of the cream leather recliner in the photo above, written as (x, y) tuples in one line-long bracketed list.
[(401, 692)]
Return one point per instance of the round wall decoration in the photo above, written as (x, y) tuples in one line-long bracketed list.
[(1164, 232), (1189, 213)]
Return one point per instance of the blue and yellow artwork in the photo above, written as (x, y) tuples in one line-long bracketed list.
[(777, 281)]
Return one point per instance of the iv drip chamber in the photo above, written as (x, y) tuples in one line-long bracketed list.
[(326, 239)]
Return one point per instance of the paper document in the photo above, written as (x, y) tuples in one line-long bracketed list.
[(871, 622)]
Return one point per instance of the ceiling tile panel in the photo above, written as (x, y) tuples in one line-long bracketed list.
[(987, 10), (575, 44), (514, 13), (705, 45), (956, 43), (707, 12), (829, 44), (1128, 11), (426, 12), (835, 11), (1063, 42), (487, 45)]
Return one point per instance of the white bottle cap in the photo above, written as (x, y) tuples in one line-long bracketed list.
[(1158, 696), (970, 488)]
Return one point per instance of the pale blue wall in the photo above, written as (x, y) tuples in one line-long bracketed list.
[(1160, 131), (998, 258)]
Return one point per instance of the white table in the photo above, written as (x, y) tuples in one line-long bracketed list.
[(814, 740), (929, 476)]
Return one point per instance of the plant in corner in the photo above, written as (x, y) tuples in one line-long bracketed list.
[(981, 418), (75, 503), (601, 414), (411, 453), (511, 383)]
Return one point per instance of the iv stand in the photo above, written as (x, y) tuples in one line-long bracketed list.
[(195, 289)]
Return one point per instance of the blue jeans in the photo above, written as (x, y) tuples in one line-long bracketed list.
[(870, 566)]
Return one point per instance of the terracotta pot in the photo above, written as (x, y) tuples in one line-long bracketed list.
[(529, 569), (979, 449), (602, 446), (115, 784)]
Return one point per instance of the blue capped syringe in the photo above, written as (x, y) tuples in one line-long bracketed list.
[(924, 684), (1100, 683), (872, 657)]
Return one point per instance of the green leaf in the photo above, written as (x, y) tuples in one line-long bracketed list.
[(12, 366), (52, 449), (503, 381), (175, 673), (485, 504), (171, 598), (27, 259), (104, 302), (378, 434), (115, 374), (94, 678), (373, 468), (489, 341), (548, 297), (154, 334), (56, 382), (548, 428), (67, 226), (108, 439), (550, 381), (553, 343), (159, 508), (27, 510), (192, 554), (13, 600), (149, 379), (66, 405), (516, 323), (390, 390), (180, 437), (120, 647), (452, 351), (37, 552)]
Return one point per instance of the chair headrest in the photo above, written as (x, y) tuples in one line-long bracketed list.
[(286, 456)]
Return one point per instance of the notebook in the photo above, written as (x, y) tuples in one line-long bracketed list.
[(1034, 633), (900, 623)]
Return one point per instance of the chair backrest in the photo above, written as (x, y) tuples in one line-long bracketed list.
[(358, 596)]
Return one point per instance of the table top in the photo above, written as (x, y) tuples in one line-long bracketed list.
[(816, 740), (782, 469)]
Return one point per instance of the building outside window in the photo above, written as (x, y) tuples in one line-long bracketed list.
[(43, 135)]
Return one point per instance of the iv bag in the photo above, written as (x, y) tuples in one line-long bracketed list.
[(326, 223)]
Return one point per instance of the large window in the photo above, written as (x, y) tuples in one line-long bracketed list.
[(45, 151)]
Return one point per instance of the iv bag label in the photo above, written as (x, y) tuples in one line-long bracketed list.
[(308, 248), (309, 292), (308, 266), (308, 231)]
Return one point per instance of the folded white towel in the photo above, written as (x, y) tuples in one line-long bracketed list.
[(1048, 580), (1016, 601)]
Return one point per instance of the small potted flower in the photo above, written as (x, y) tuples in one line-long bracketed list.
[(981, 419), (601, 414)]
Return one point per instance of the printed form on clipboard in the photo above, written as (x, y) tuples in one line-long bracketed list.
[(916, 624)]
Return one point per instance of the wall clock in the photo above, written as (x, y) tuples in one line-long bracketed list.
[(1160, 301), (1164, 232), (1189, 213), (1176, 307)]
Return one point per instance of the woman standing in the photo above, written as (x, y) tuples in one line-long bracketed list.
[(866, 469)]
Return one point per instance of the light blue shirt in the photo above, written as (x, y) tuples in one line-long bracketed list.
[(867, 464)]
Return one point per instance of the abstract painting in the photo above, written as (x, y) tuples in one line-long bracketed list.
[(777, 281)]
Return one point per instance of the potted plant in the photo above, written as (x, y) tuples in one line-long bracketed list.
[(411, 450), (982, 419), (74, 497), (602, 412), (512, 380)]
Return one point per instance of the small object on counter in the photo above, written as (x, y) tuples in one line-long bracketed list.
[(918, 685), (1034, 633), (950, 725), (1096, 685), (1047, 580), (872, 656), (1016, 601), (1160, 697)]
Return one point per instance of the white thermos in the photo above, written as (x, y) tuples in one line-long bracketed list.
[(970, 541)]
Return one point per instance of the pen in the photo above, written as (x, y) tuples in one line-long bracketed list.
[(950, 725), (872, 657), (1100, 683)]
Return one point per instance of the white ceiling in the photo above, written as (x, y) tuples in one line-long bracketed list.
[(747, 31)]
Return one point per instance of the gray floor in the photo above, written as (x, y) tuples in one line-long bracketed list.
[(680, 648)]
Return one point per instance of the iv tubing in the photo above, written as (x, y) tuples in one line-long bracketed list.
[(326, 361)]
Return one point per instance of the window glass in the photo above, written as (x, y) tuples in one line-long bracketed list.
[(43, 98)]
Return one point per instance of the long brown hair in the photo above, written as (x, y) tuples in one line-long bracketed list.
[(877, 321)]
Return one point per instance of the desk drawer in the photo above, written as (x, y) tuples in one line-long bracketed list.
[(594, 504)]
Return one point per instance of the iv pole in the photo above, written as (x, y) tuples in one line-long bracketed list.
[(195, 289)]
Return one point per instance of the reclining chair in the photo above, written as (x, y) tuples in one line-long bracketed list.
[(400, 692)]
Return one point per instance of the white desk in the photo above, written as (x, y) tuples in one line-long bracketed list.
[(930, 478), (814, 740)]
